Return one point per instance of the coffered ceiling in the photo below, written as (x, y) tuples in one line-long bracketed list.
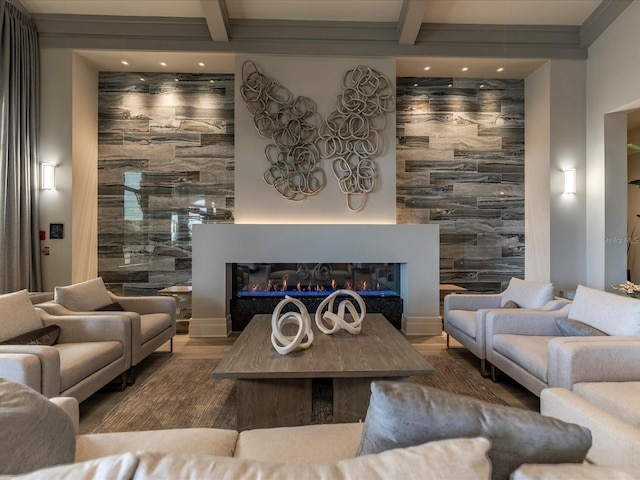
[(444, 35)]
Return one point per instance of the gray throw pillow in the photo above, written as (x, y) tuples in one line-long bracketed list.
[(36, 433), (403, 414), (42, 336), (575, 328)]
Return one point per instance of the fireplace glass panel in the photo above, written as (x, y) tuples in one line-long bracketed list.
[(315, 279)]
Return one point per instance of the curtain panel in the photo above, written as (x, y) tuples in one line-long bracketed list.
[(19, 162)]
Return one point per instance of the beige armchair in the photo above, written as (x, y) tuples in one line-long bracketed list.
[(152, 319), (465, 314), (61, 355), (596, 338)]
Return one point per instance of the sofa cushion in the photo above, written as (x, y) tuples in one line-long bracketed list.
[(574, 328), (17, 315), (114, 467), (80, 360), (152, 324), (405, 413), (620, 399), (611, 313), (308, 443), (527, 294), (573, 471), (199, 441), (112, 307), (463, 320), (41, 336), (35, 432), (459, 458), (83, 296), (528, 351)]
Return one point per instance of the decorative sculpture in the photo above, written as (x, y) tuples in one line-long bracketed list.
[(285, 344), (337, 321), (292, 125), (350, 135)]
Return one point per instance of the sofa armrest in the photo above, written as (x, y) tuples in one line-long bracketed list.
[(464, 301), (556, 304), (593, 359), (22, 368), (148, 304), (615, 442), (521, 321), (71, 408), (48, 365)]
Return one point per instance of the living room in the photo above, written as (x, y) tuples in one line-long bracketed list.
[(573, 92)]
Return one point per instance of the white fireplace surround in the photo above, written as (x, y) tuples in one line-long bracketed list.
[(217, 246)]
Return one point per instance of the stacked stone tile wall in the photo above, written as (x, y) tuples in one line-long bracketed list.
[(460, 163)]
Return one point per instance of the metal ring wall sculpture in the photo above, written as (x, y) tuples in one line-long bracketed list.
[(350, 135), (292, 125)]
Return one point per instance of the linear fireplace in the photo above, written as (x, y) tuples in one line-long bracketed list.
[(412, 249), (259, 287)]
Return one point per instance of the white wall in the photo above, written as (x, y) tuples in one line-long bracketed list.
[(555, 138), (613, 70), (56, 148), (320, 79), (85, 171)]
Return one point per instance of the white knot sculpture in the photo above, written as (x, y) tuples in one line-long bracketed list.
[(337, 321), (285, 344)]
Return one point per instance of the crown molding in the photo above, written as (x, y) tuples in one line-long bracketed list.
[(600, 19), (309, 37)]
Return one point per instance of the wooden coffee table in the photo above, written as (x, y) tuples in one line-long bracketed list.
[(275, 390)]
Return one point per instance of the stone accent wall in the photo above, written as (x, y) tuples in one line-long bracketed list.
[(460, 163), (165, 157)]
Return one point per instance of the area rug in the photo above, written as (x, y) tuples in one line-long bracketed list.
[(182, 394)]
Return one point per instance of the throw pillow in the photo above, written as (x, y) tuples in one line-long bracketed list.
[(510, 304), (36, 433), (574, 328), (17, 315), (84, 296), (612, 313), (401, 414), (528, 294), (112, 307), (42, 336)]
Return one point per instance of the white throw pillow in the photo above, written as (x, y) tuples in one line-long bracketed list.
[(528, 294), (612, 313), (17, 315), (84, 296)]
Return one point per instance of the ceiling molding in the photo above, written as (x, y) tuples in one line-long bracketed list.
[(410, 20), (217, 17), (600, 19), (308, 37)]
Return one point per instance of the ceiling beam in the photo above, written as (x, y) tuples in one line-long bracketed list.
[(217, 17), (410, 20)]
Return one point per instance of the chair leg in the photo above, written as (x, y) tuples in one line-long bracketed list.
[(171, 345), (483, 368), (131, 375), (493, 373), (447, 341), (123, 381)]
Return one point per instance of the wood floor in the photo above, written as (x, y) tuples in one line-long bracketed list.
[(98, 405)]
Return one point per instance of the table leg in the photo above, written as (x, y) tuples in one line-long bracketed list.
[(351, 398), (279, 402)]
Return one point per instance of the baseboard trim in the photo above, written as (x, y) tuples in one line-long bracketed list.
[(210, 327), (422, 325)]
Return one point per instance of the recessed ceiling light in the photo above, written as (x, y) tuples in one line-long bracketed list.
[(500, 69), (212, 81), (176, 80), (142, 79), (201, 64), (482, 85), (464, 69), (163, 64), (450, 85), (415, 84), (124, 62), (426, 69)]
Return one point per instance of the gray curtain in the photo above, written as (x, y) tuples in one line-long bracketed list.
[(19, 165)]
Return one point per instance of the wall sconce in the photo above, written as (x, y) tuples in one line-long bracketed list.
[(570, 182), (47, 176)]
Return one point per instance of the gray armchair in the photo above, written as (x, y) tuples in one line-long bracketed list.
[(152, 319), (88, 353), (465, 314), (596, 338)]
